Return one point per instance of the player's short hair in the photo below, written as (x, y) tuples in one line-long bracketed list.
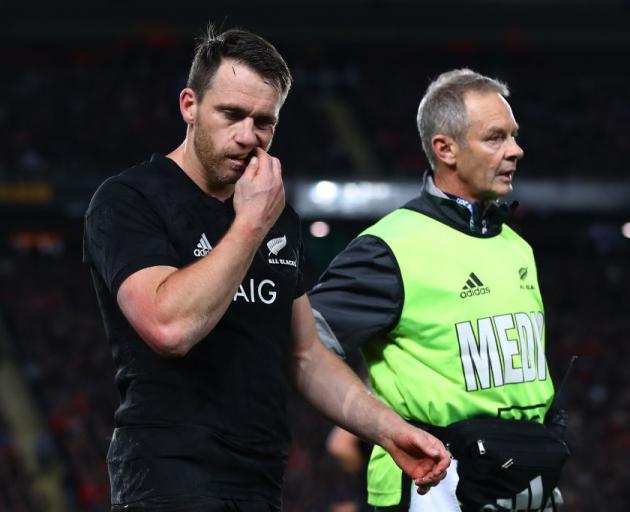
[(244, 47), (442, 109)]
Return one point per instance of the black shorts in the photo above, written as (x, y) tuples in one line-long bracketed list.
[(196, 504)]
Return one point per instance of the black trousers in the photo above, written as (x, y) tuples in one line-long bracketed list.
[(196, 504)]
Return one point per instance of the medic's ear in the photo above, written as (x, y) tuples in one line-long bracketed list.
[(445, 149)]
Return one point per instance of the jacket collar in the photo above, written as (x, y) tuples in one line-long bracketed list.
[(482, 219)]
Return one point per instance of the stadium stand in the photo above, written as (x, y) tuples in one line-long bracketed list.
[(92, 111)]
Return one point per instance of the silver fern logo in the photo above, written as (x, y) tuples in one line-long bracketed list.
[(275, 245)]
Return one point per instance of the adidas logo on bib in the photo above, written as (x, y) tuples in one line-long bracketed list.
[(473, 287)]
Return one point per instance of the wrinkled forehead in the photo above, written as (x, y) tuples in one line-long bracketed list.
[(238, 84), (488, 108), (232, 72)]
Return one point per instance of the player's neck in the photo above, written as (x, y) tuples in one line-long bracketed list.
[(185, 157)]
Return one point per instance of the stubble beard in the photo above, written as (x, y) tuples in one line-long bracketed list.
[(211, 161)]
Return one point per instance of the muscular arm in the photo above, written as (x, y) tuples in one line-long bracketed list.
[(335, 390), (173, 309)]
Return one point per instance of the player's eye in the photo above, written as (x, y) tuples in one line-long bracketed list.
[(232, 115), (264, 123)]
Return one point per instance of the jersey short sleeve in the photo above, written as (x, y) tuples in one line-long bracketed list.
[(123, 234), (359, 295)]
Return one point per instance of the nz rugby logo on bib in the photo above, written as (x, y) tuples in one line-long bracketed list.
[(275, 245)]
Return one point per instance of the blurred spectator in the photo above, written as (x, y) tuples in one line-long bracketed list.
[(17, 493), (87, 108)]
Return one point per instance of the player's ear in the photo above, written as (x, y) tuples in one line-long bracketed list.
[(445, 149), (188, 105)]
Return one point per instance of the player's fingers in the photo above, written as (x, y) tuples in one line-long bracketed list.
[(433, 447), (255, 165), (430, 478), (439, 477), (252, 168), (443, 462), (423, 489), (276, 166), (438, 472), (264, 162)]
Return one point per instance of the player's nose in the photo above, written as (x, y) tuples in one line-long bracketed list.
[(246, 133)]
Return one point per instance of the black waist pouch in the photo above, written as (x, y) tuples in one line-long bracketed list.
[(504, 464)]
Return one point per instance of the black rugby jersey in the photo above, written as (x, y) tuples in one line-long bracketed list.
[(213, 422)]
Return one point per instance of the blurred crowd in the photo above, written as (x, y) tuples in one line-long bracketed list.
[(76, 112), (48, 305), (584, 276), (51, 315), (77, 109), (17, 493)]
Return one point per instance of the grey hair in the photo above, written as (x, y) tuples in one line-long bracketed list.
[(442, 109)]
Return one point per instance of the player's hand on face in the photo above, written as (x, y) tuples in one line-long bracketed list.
[(259, 193)]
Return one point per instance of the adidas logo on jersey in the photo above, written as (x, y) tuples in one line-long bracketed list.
[(203, 247), (473, 287)]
